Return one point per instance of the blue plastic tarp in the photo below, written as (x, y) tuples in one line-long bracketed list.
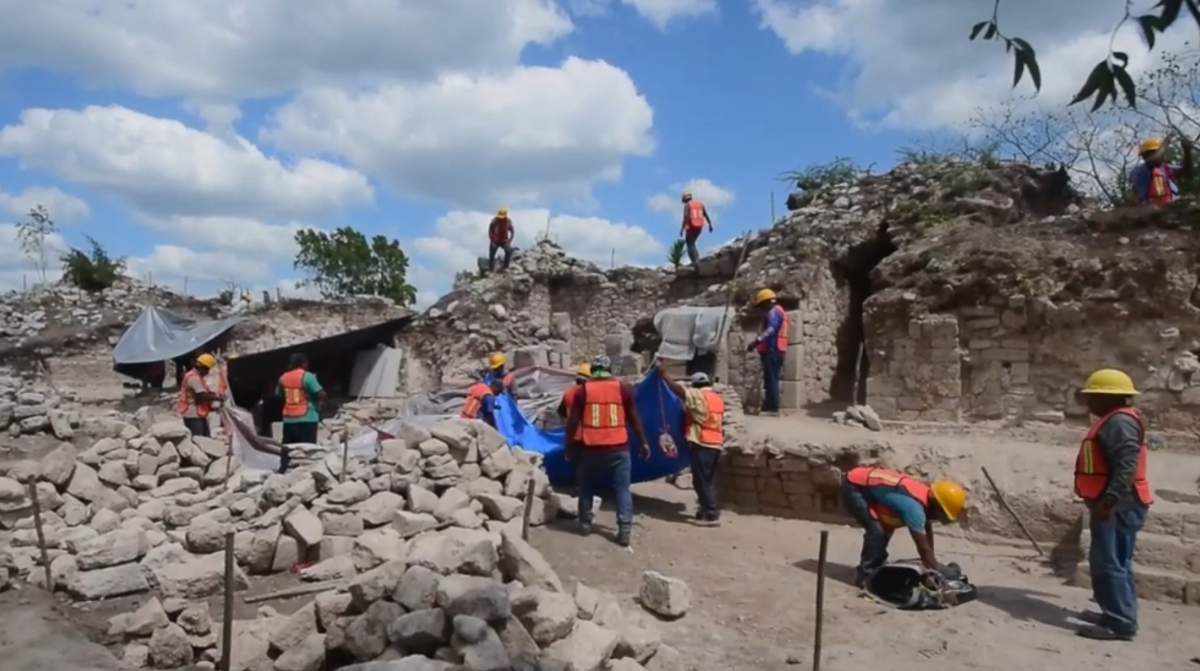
[(658, 408)]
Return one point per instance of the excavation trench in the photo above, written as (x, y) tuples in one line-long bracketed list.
[(855, 269)]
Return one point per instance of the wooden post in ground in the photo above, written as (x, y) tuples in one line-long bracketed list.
[(345, 456), (227, 616), (528, 509), (41, 533), (820, 619)]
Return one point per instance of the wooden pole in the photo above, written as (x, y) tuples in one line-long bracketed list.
[(41, 534), (528, 509), (1017, 518), (345, 456), (730, 293), (772, 208), (296, 591), (821, 553), (227, 623)]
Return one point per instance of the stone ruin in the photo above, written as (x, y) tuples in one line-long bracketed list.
[(418, 554)]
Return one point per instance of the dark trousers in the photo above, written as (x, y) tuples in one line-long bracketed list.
[(607, 470), (689, 239), (1110, 559), (495, 247), (198, 426), (704, 480), (299, 432), (772, 372), (875, 537)]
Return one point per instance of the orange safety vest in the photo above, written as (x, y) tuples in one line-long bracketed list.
[(781, 336), (866, 476), (602, 422), (695, 215), (186, 401), (568, 400), (1091, 471), (295, 398), (712, 429), (475, 396), (1162, 186)]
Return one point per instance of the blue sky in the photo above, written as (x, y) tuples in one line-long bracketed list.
[(195, 138)]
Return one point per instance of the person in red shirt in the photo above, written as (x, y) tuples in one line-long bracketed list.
[(500, 236)]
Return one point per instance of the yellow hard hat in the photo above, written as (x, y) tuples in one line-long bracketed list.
[(497, 359), (584, 370), (502, 212), (763, 296), (687, 195), (1150, 144), (950, 496), (206, 360), (1109, 381)]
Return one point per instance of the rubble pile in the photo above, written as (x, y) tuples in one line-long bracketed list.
[(33, 409), (26, 315)]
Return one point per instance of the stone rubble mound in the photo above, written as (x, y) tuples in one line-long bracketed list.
[(34, 409), (420, 548), (25, 315)]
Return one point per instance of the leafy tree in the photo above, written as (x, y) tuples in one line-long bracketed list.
[(344, 263), (675, 253), (32, 235), (817, 175), (1110, 79), (94, 270)]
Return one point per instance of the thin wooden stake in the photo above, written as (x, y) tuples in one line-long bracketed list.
[(296, 591), (1016, 518), (528, 509), (345, 457), (227, 624), (820, 620), (41, 534)]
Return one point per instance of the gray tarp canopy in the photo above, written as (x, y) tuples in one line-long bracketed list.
[(688, 330), (160, 334)]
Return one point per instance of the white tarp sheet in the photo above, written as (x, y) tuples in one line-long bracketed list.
[(160, 334), (376, 373), (687, 331)]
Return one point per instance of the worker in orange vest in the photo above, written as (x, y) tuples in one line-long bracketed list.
[(500, 236), (704, 428), (883, 501), (196, 400), (1153, 181), (481, 401), (695, 216), (603, 413), (302, 394), (771, 345), (1110, 477)]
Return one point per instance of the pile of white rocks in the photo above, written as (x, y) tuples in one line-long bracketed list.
[(28, 410)]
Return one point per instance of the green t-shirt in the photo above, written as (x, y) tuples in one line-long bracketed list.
[(311, 389)]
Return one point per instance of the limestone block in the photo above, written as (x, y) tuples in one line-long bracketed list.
[(793, 363), (791, 395), (795, 327)]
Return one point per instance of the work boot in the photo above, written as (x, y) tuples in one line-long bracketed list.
[(585, 528), (1090, 617), (624, 538)]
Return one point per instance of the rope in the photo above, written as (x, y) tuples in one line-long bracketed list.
[(665, 440)]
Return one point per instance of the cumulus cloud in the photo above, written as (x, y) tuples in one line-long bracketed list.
[(19, 269), (460, 237), (911, 65), (663, 12), (63, 207), (162, 167), (703, 189), (529, 135), (223, 50), (171, 265)]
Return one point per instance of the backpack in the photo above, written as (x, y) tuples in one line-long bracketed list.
[(905, 585)]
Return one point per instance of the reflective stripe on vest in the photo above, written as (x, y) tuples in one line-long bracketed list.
[(1091, 471), (866, 476), (185, 400), (295, 398), (695, 215), (712, 429), (781, 336), (602, 420), (1163, 187), (474, 403)]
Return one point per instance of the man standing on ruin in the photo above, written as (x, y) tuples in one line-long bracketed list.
[(695, 216), (1154, 181), (704, 428), (603, 412), (883, 501), (771, 345), (500, 237), (1110, 477)]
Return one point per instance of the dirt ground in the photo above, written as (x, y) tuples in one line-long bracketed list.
[(754, 582)]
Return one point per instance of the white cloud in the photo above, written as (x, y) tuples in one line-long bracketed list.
[(236, 235), (161, 167), (231, 49), (63, 207), (529, 135), (910, 63), (171, 265), (702, 189), (20, 270), (662, 12), (460, 238)]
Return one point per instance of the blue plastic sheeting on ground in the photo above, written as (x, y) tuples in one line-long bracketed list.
[(655, 402)]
